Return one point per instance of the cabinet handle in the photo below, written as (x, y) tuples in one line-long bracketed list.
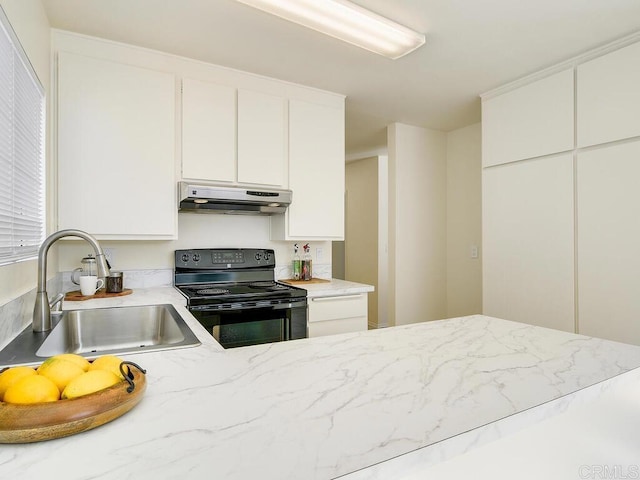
[(339, 297)]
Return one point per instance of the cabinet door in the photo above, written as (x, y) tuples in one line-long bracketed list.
[(316, 172), (208, 131), (608, 210), (340, 314), (261, 138), (609, 97), (528, 122), (528, 242), (116, 149)]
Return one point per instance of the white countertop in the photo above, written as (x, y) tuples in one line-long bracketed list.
[(334, 287), (328, 406), (596, 440)]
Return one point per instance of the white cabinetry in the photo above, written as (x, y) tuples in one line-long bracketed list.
[(531, 208), (208, 131), (609, 97), (116, 149), (337, 314), (528, 241), (531, 121), (261, 138), (608, 242), (232, 141), (316, 174)]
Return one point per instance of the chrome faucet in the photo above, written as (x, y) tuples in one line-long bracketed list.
[(42, 308)]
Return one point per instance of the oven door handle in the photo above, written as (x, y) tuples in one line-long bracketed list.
[(248, 306)]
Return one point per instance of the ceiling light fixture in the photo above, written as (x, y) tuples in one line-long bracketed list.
[(347, 22)]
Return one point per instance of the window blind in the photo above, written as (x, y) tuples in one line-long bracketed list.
[(22, 189)]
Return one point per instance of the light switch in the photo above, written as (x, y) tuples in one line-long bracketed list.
[(474, 251)]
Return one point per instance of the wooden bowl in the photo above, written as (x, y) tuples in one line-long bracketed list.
[(46, 421)]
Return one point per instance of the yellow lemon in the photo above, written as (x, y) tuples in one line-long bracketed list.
[(77, 359), (59, 371), (11, 376), (32, 389), (110, 363), (90, 382)]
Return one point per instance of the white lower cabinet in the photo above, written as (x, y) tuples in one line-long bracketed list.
[(337, 314)]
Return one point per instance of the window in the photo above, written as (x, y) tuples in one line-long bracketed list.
[(22, 191)]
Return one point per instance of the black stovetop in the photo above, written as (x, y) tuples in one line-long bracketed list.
[(235, 289), (216, 293)]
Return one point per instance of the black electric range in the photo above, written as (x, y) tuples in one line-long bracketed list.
[(234, 295)]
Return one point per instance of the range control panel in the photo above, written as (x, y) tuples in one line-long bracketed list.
[(224, 258)]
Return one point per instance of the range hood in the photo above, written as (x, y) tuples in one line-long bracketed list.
[(232, 200)]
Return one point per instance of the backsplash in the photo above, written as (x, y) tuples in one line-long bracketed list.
[(18, 313), (320, 270), (131, 279)]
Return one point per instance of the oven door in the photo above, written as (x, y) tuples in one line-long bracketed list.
[(253, 323)]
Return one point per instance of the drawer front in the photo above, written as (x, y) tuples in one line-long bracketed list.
[(339, 307), (335, 327)]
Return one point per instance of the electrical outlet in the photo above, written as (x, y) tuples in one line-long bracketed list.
[(319, 255), (109, 254), (474, 251)]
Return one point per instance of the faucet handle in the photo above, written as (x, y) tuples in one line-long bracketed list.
[(55, 305)]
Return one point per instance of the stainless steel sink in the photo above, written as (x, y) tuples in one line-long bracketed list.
[(100, 331)]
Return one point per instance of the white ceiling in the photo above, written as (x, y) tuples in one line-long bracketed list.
[(472, 46)]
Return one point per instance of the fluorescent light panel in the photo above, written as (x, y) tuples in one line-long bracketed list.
[(347, 22)]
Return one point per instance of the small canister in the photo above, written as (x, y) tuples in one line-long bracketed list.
[(114, 282)]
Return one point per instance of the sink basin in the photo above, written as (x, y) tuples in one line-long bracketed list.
[(101, 331)]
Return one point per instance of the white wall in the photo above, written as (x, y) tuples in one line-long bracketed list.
[(464, 221), (32, 27), (417, 224), (361, 228)]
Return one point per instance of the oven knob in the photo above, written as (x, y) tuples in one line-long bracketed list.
[(267, 256), (258, 256), (196, 257), (185, 257)]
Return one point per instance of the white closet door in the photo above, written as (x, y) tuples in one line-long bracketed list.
[(608, 242), (528, 242)]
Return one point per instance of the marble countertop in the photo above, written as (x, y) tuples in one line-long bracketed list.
[(594, 440), (329, 406), (335, 287)]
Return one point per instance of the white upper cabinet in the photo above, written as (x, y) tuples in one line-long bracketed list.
[(316, 174), (261, 138), (208, 131), (609, 97), (120, 150), (233, 135), (528, 122), (116, 149)]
